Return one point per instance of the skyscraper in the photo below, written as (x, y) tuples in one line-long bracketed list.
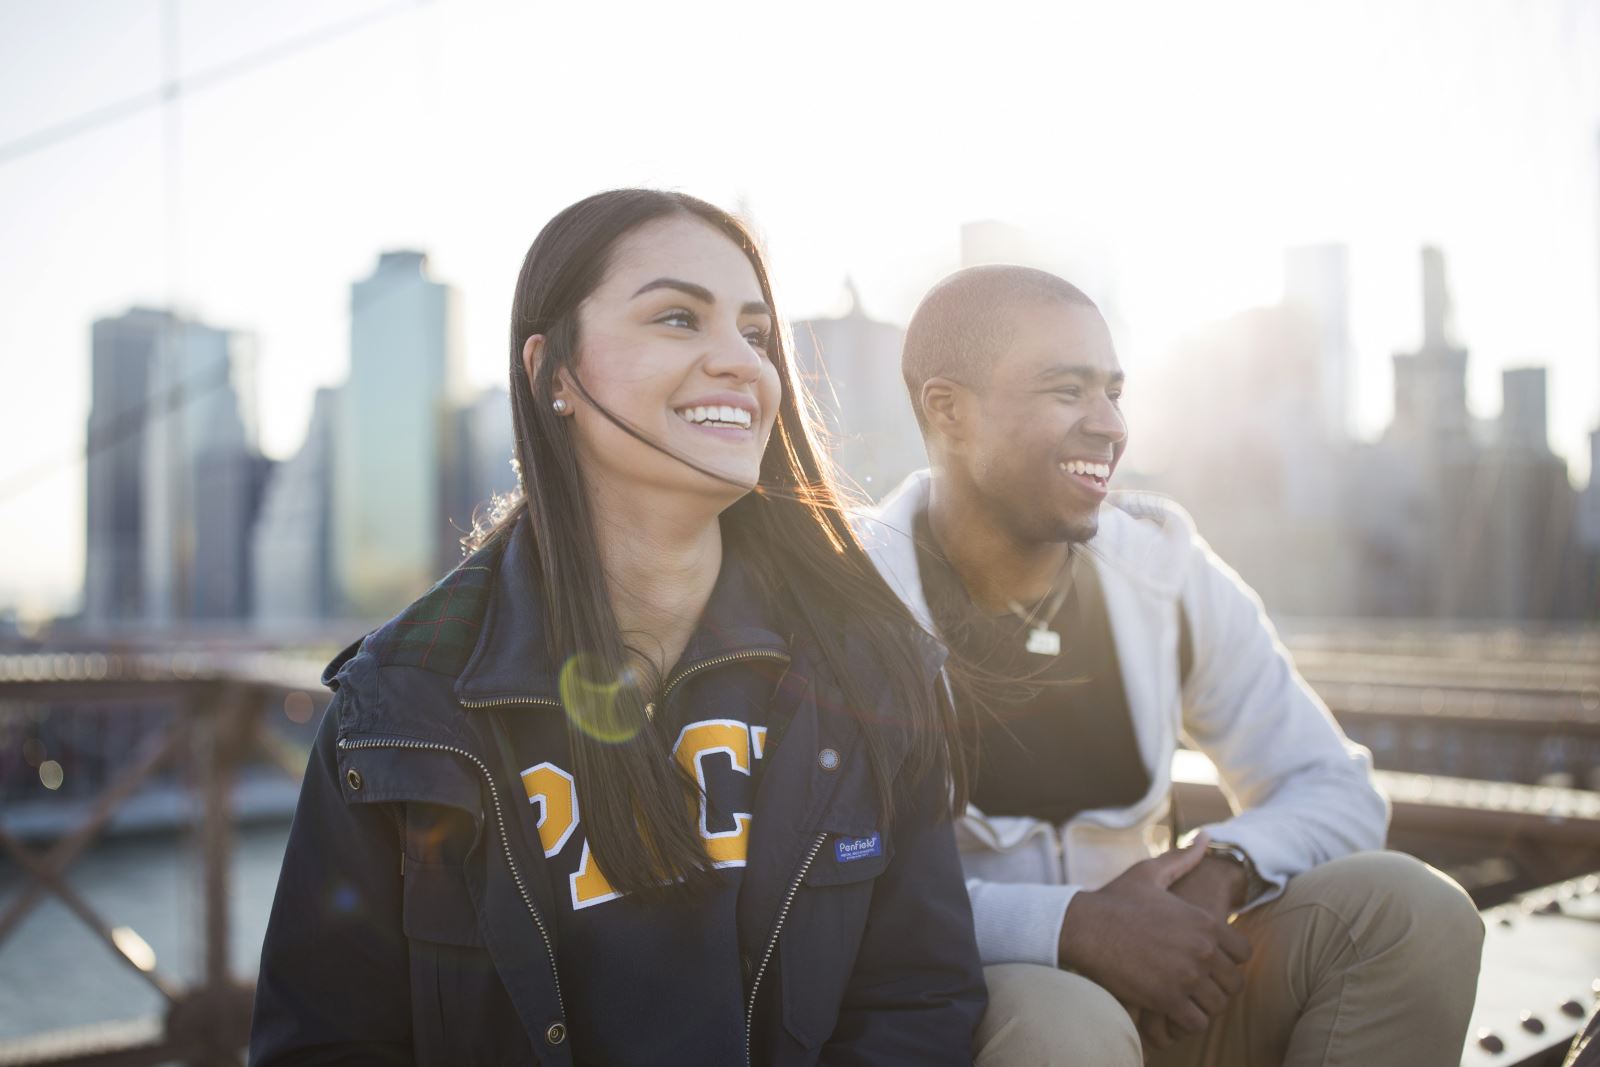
[(852, 364), (1316, 280), (202, 476), (392, 440), (122, 360), (484, 446), (174, 472), (1430, 384), (291, 543)]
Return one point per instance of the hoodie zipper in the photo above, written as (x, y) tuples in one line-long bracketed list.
[(500, 823), (772, 942)]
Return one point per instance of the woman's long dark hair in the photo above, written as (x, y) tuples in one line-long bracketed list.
[(792, 529)]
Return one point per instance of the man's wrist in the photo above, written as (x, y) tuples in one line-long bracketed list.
[(1071, 925), (1245, 882)]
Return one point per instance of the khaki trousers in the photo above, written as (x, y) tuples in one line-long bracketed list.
[(1367, 960)]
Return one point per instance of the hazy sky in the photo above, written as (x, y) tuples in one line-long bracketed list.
[(1167, 151)]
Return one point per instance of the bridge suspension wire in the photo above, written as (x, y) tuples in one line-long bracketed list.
[(174, 88)]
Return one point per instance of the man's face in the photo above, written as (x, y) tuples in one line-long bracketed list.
[(1049, 431)]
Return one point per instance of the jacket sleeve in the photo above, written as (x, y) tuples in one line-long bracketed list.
[(334, 985), (1304, 792), (916, 993)]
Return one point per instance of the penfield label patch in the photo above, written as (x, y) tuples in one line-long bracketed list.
[(857, 848)]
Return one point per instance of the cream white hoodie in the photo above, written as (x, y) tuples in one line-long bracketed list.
[(1303, 793)]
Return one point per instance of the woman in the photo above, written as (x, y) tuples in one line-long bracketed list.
[(658, 775)]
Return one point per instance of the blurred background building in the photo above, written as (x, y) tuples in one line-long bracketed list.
[(174, 473), (393, 439), (852, 365)]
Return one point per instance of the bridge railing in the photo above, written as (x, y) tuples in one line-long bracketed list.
[(218, 708)]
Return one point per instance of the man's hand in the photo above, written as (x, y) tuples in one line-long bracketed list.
[(1174, 964), (1216, 886)]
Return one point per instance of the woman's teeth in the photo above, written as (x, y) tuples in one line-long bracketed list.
[(1101, 471), (716, 415)]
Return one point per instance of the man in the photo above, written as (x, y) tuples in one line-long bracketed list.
[(1089, 629)]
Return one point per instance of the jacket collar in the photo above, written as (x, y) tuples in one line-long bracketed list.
[(1137, 537), (510, 662)]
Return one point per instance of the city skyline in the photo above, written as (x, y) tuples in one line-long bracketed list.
[(1176, 166), (468, 473), (1447, 516)]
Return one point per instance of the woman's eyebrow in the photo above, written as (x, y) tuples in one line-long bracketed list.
[(700, 293)]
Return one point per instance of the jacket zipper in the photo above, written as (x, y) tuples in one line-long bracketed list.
[(505, 840), (502, 701), (672, 683), (717, 661), (772, 942)]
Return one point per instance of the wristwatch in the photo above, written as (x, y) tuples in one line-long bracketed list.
[(1254, 884)]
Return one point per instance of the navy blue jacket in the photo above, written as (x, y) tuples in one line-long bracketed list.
[(413, 923)]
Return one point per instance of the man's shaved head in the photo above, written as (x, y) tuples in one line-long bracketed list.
[(969, 318)]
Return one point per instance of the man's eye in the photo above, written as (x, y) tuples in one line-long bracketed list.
[(677, 317), (1070, 392), (1116, 397)]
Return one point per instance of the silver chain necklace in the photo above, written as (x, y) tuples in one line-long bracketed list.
[(1042, 640)]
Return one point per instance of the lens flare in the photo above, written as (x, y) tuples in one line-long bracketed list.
[(136, 948), (51, 775), (592, 703)]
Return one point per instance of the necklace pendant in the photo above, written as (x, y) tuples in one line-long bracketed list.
[(1044, 642)]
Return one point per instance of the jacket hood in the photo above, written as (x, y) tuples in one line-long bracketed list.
[(1137, 535)]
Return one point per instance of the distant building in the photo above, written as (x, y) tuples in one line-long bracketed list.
[(174, 471), (1316, 281), (483, 451), (1250, 457), (852, 365), (1488, 524), (1591, 498), (291, 546), (122, 365), (203, 477), (1430, 384), (392, 439), (1445, 517)]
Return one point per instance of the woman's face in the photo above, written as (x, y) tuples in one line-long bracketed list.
[(675, 342)]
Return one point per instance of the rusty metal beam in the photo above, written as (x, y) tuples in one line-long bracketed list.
[(67, 849), (52, 881)]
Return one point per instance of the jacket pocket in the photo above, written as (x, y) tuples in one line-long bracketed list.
[(818, 949), (438, 907), (460, 1012)]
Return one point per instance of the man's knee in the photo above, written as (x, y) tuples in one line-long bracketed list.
[(1040, 1015), (1405, 904)]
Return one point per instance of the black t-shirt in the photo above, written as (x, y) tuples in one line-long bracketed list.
[(656, 980), (1052, 734)]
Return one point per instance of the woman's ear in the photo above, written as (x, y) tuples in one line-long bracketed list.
[(532, 354), (560, 388)]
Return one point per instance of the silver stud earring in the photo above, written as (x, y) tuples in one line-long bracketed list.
[(560, 406)]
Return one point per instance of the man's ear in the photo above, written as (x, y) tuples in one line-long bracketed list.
[(532, 356), (947, 408)]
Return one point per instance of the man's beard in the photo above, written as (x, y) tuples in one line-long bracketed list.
[(1029, 526)]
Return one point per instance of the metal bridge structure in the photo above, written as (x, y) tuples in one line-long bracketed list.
[(1528, 851)]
